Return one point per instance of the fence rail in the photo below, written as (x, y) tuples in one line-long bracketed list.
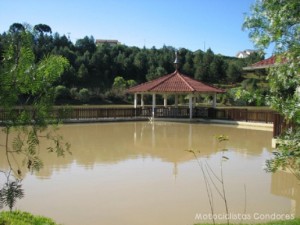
[(264, 116), (280, 125), (80, 113)]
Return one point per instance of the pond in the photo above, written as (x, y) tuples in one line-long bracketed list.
[(134, 173)]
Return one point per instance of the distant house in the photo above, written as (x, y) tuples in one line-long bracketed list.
[(105, 41), (266, 63), (244, 54)]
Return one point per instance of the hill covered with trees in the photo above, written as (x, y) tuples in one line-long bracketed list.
[(96, 69)]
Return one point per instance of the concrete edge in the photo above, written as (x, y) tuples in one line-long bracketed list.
[(239, 124)]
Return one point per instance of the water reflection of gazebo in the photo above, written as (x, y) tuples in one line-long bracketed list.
[(175, 84)]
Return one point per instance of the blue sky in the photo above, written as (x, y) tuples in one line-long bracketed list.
[(191, 24)]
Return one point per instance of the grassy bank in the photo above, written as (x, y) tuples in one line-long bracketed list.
[(23, 218), (286, 222)]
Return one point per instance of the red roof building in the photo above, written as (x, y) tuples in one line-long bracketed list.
[(176, 84), (266, 63)]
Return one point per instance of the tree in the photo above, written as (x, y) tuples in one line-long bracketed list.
[(234, 73), (119, 83), (277, 22), (16, 28), (154, 73), (42, 28), (83, 72), (86, 44), (28, 86)]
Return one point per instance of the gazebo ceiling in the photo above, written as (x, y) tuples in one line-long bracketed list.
[(175, 82)]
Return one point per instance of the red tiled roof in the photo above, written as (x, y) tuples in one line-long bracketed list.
[(266, 63), (175, 83)]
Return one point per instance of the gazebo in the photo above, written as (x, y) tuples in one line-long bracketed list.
[(176, 84)]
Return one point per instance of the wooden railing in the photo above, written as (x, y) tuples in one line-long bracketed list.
[(80, 113), (280, 125), (264, 116), (97, 113), (160, 112)]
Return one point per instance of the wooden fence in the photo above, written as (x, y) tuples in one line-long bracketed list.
[(80, 113), (263, 116), (280, 125)]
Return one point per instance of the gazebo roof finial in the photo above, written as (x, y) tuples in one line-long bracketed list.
[(176, 62)]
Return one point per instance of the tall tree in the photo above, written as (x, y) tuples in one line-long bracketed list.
[(86, 44), (29, 86), (42, 28), (16, 28), (277, 22)]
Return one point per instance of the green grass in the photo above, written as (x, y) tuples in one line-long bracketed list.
[(285, 222), (23, 218)]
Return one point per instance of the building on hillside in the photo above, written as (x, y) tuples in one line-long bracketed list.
[(266, 63), (244, 54), (270, 62), (106, 41)]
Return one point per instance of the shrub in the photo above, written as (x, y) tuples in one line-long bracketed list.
[(84, 95), (61, 91), (74, 93), (115, 95)]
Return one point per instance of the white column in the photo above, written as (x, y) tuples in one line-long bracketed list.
[(135, 100), (153, 104), (214, 103), (165, 100), (176, 101), (191, 105), (142, 100)]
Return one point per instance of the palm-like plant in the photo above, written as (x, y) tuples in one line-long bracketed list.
[(10, 193)]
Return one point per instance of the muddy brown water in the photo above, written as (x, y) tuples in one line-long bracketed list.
[(140, 173)]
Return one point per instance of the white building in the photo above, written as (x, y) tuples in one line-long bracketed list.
[(244, 54)]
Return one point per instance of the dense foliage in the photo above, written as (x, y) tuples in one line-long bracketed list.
[(277, 22), (96, 67), (27, 96)]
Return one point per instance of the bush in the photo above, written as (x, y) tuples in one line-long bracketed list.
[(61, 92), (74, 93), (115, 95), (84, 95), (23, 218)]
